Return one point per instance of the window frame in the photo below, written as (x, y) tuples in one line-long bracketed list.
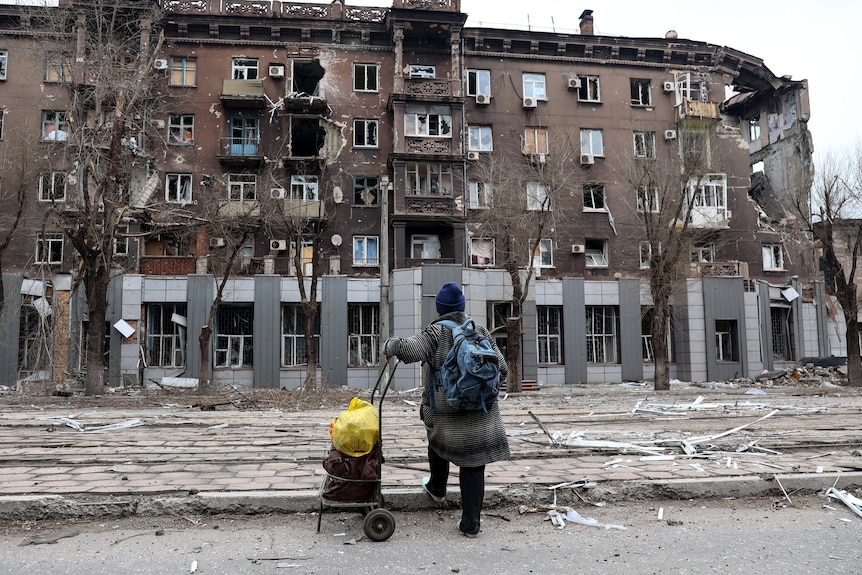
[(479, 247), (58, 68), (4, 64), (644, 254), (363, 187), (700, 249), (641, 92), (535, 140), (428, 121), (429, 179), (362, 244), (478, 82), (596, 253), (180, 182), (242, 68), (590, 189), (365, 130), (543, 255), (603, 346), (644, 196), (294, 352), (181, 129), (422, 71), (52, 196), (361, 81), (363, 334), (480, 195), (303, 188), (534, 85), (590, 139), (237, 185), (644, 145), (726, 341), (773, 257), (549, 334), (60, 120), (183, 72), (227, 342), (480, 139), (49, 249), (538, 198), (174, 351), (425, 241), (590, 89)]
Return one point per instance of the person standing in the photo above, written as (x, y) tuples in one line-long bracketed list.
[(469, 439)]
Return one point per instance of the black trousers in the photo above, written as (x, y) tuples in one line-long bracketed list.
[(472, 483)]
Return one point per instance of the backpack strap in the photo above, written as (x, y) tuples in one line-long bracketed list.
[(451, 325)]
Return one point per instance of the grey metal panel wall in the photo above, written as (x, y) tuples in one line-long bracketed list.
[(529, 342), (433, 278), (574, 330), (682, 345), (267, 331), (333, 330), (798, 320), (820, 296), (631, 352), (9, 325), (113, 314), (765, 325), (200, 295), (723, 299)]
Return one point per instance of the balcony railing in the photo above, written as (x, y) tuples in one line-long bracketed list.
[(168, 265), (240, 149), (722, 269), (430, 205), (428, 87), (243, 92), (284, 9), (696, 110)]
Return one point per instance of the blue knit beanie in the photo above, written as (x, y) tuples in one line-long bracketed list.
[(449, 298)]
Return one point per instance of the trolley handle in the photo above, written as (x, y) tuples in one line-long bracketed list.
[(385, 387)]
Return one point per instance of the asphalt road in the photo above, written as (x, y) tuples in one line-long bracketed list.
[(809, 535)]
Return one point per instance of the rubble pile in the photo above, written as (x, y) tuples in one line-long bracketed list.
[(808, 374)]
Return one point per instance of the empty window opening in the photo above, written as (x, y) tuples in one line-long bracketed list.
[(307, 75), (307, 137)]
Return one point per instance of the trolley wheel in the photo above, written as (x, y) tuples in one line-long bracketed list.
[(379, 524)]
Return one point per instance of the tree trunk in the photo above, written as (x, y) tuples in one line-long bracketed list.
[(97, 302), (658, 333), (204, 364), (854, 363), (513, 353), (309, 311)]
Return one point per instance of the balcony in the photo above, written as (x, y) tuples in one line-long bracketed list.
[(721, 269), (244, 151), (416, 145), (168, 265), (428, 87), (243, 93), (436, 5), (430, 205), (304, 209), (696, 110)]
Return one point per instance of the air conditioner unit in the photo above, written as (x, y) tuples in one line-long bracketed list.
[(588, 159), (160, 64), (577, 248), (472, 155), (277, 193), (276, 71), (483, 99), (670, 134), (216, 242), (668, 86), (530, 102), (574, 83), (278, 245)]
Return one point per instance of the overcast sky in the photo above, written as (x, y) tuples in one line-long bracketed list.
[(814, 40)]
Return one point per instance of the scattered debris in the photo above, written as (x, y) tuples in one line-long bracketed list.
[(568, 514), (854, 503), (78, 426), (50, 538)]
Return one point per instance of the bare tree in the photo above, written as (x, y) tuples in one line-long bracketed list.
[(529, 192), (671, 185), (832, 218), (103, 132)]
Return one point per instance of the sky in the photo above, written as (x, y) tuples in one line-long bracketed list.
[(812, 40)]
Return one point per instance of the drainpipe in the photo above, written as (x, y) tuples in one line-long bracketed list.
[(383, 254)]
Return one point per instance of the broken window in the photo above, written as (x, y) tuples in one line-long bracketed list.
[(773, 257), (482, 252), (419, 71), (549, 334), (58, 67), (754, 130), (602, 332), (365, 251), (52, 187), (641, 92), (691, 87), (244, 69), (363, 334), (166, 334), (648, 200), (425, 178), (481, 195), (2, 122), (183, 72), (365, 77), (537, 197), (708, 198), (306, 77), (234, 336), (478, 82), (703, 252), (244, 135), (644, 145), (365, 133), (178, 188), (594, 197), (307, 137), (498, 313), (783, 348), (49, 249), (303, 188), (425, 247), (242, 187), (121, 240), (293, 350), (366, 191), (543, 256), (481, 139), (55, 126), (596, 253), (589, 90), (726, 340), (35, 334), (534, 86), (306, 257), (535, 141), (428, 120), (645, 254), (181, 129), (4, 61), (592, 143)]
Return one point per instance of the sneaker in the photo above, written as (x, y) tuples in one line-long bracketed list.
[(436, 498), (465, 534)]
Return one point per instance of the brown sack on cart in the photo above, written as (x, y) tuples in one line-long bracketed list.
[(356, 429), (351, 479)]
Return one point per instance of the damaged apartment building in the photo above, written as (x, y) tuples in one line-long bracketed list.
[(347, 147)]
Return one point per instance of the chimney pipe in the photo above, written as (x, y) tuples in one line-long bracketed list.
[(587, 23)]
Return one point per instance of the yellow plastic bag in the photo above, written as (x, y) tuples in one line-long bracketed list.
[(355, 431)]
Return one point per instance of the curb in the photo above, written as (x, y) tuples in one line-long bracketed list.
[(35, 507)]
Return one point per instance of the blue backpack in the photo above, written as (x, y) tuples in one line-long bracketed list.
[(470, 374)]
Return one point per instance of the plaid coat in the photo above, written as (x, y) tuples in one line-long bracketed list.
[(466, 438)]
